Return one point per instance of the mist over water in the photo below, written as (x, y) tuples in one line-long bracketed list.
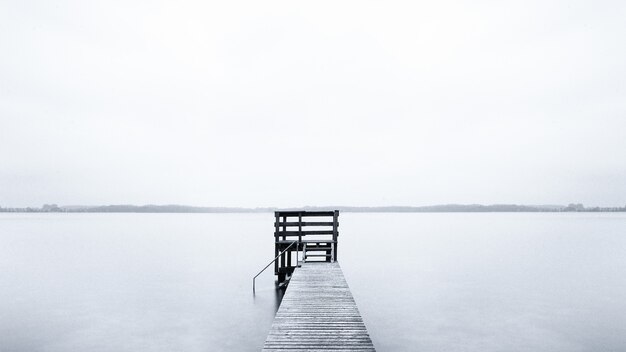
[(427, 282)]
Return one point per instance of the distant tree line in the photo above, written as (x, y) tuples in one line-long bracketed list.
[(446, 208)]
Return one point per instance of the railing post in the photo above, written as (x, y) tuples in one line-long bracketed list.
[(335, 232), (289, 255), (300, 227), (276, 239), (282, 257)]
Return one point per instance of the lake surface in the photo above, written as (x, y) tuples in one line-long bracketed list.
[(423, 282)]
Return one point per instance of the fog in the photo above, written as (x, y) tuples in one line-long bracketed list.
[(283, 103)]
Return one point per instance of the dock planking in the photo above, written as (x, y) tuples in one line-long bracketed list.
[(318, 313)]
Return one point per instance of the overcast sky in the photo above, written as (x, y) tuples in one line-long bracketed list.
[(289, 103)]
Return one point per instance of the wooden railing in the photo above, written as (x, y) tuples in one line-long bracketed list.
[(313, 242)]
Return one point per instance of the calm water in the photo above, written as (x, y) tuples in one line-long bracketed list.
[(423, 282)]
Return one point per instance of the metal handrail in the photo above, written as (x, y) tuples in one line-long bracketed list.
[(270, 263)]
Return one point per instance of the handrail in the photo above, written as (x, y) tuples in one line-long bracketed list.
[(270, 263)]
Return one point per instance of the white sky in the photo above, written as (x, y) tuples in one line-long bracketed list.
[(289, 103)]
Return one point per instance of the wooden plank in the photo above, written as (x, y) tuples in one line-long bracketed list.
[(305, 213), (318, 313), (306, 223), (304, 241), (304, 233)]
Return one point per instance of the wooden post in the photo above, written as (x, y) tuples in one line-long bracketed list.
[(300, 227), (276, 238), (299, 234), (335, 232), (282, 257), (289, 252)]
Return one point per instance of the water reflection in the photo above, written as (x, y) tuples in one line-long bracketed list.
[(278, 295)]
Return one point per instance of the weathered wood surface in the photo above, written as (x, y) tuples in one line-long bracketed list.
[(318, 313)]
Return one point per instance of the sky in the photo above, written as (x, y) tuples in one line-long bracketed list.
[(292, 103)]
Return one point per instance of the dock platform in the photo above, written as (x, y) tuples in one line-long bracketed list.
[(318, 313)]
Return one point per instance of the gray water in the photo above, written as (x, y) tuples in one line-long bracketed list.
[(423, 282)]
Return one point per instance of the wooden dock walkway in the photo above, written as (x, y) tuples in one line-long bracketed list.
[(318, 313)]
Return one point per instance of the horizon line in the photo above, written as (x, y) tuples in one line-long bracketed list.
[(179, 208)]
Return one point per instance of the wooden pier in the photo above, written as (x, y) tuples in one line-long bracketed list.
[(317, 312)]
